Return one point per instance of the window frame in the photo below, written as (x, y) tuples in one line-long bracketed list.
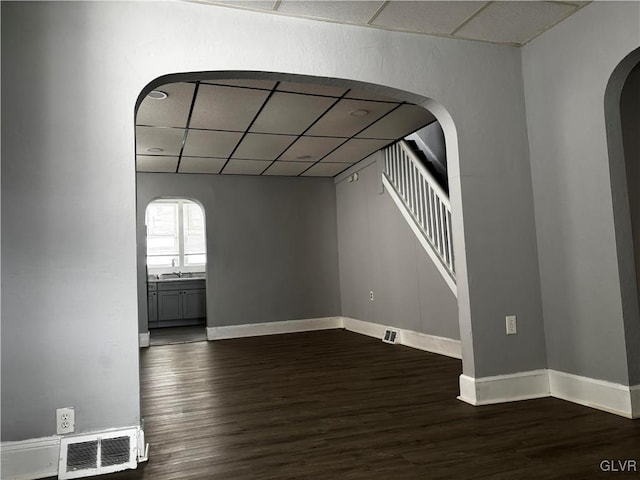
[(181, 266)]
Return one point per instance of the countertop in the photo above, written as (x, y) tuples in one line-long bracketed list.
[(153, 279)]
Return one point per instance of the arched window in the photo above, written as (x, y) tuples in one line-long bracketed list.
[(175, 236)]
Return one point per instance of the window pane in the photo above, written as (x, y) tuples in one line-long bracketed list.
[(162, 219), (193, 260), (162, 261), (161, 245), (193, 224), (162, 229)]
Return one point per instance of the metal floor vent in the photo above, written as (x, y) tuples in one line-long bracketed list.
[(95, 454), (390, 335)]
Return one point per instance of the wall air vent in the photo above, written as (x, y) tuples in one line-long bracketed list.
[(390, 335), (95, 454)]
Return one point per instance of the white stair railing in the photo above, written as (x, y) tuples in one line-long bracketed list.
[(424, 204)]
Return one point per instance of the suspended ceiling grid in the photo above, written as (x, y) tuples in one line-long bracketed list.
[(265, 127)]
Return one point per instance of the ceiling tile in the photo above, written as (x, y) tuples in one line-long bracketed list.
[(156, 163), (260, 84), (201, 165), (342, 11), (290, 113), (226, 108), (367, 95), (168, 139), (256, 146), (514, 22), (339, 121), (245, 167), (426, 17), (172, 111), (401, 122), (287, 168), (355, 150), (205, 143), (311, 148), (312, 89), (326, 169)]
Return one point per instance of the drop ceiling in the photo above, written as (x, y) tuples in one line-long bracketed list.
[(509, 23), (266, 127)]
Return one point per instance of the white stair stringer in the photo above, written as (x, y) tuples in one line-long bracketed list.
[(423, 204)]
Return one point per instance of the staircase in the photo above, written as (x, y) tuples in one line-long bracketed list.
[(424, 205)]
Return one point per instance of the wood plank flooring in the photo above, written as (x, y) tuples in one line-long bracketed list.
[(338, 405), (172, 335)]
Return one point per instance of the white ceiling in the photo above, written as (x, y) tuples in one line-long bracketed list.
[(265, 127), (509, 23)]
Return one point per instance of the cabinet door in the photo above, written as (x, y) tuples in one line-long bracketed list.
[(152, 300), (194, 304), (170, 305)]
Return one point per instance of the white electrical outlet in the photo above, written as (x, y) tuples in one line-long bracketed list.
[(65, 420), (371, 295), (512, 327)]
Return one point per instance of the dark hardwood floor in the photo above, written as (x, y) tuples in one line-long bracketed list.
[(338, 405), (172, 335)]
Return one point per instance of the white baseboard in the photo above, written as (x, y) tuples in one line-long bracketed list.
[(504, 388), (144, 339), (273, 328), (364, 328), (421, 341), (30, 459), (607, 396), (431, 343)]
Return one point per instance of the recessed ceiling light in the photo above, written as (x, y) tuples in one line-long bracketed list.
[(155, 150), (359, 113), (303, 157), (157, 94)]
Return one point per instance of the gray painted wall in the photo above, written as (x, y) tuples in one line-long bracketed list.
[(271, 244), (71, 75), (566, 71), (380, 253), (630, 113)]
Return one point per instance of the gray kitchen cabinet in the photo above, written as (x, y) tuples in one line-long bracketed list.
[(153, 309), (152, 304), (194, 304), (178, 303), (169, 305)]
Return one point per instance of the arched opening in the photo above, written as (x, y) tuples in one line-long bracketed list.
[(630, 122), (275, 216), (194, 127), (623, 123), (176, 268)]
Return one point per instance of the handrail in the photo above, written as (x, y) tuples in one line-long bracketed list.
[(426, 204)]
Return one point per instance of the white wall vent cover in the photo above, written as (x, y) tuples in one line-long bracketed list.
[(390, 335), (98, 453)]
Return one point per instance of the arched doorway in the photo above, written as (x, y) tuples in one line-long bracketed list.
[(184, 156), (176, 263), (621, 102)]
